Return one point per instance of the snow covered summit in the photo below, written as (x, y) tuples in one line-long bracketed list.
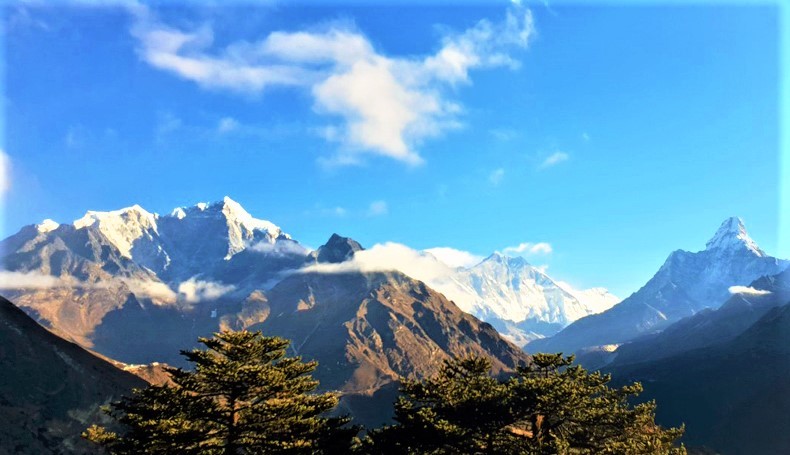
[(686, 283), (732, 235), (238, 227), (188, 241)]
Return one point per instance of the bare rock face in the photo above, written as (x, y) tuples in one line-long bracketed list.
[(368, 330), (138, 288), (336, 250)]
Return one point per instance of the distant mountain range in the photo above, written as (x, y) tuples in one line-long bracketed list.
[(117, 263), (686, 284), (707, 335), (519, 299), (138, 287)]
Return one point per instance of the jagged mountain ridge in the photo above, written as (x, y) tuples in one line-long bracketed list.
[(710, 326), (360, 312), (179, 245), (510, 291), (519, 299), (685, 284), (370, 329), (124, 260), (169, 272)]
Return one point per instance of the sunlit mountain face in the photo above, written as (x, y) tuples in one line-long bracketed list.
[(686, 284), (410, 184)]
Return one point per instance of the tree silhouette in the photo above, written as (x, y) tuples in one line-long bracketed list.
[(549, 407), (243, 396)]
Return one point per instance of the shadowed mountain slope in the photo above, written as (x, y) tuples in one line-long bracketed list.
[(686, 284), (722, 372), (50, 389)]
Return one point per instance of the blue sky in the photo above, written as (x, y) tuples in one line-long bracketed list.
[(615, 134)]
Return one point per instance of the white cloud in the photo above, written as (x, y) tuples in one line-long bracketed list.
[(385, 257), (5, 173), (378, 208), (227, 124), (35, 280), (542, 268), (29, 280), (419, 265), (529, 248), (554, 159), (150, 289), (279, 248), (454, 258), (747, 290), (586, 137), (376, 104), (496, 176), (194, 290), (190, 291)]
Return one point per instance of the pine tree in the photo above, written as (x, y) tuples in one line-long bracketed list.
[(567, 409), (244, 396), (461, 410), (549, 407)]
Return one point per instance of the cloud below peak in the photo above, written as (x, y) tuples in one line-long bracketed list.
[(747, 290), (375, 104)]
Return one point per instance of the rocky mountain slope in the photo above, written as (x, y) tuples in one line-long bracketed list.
[(519, 299), (135, 287), (367, 330), (50, 389), (170, 273), (686, 284), (710, 327), (732, 395)]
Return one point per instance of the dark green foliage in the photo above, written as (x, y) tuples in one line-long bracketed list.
[(461, 410), (243, 397), (550, 407)]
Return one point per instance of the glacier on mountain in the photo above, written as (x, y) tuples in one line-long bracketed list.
[(686, 283), (219, 251), (519, 299)]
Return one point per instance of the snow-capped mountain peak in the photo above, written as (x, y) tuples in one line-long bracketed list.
[(732, 235), (234, 211), (132, 214), (511, 289), (225, 219), (687, 283), (121, 227), (497, 258)]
